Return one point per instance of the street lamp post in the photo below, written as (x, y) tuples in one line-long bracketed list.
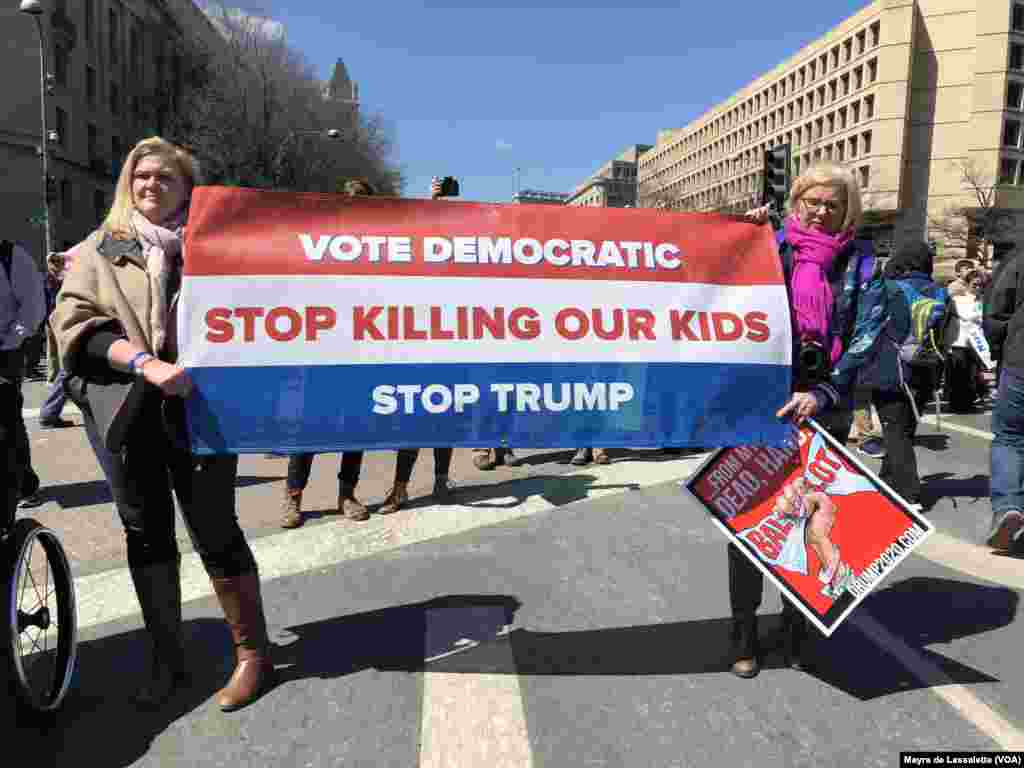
[(35, 9)]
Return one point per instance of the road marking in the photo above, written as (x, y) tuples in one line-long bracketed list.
[(474, 721), (109, 596), (972, 559), (969, 706), (947, 424)]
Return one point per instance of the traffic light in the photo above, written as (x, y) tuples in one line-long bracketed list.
[(776, 176)]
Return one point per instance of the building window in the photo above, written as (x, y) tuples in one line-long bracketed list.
[(823, 63), (833, 90), (861, 40), (1016, 56), (60, 65), (852, 145), (61, 127), (847, 50), (90, 86), (1015, 94), (828, 152), (821, 97), (872, 70), (65, 199), (817, 155), (819, 126), (865, 176), (115, 99), (835, 57), (99, 205), (1008, 171), (803, 77), (845, 80), (858, 78), (855, 112), (866, 141), (869, 107), (1011, 134), (1018, 17), (840, 152), (831, 123), (876, 34)]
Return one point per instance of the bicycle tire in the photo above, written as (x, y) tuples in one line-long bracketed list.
[(25, 539)]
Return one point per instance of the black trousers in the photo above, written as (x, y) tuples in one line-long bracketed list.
[(300, 465), (746, 582), (407, 458), (899, 467), (17, 478), (141, 480), (962, 389)]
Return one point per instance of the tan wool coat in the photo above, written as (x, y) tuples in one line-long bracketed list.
[(108, 282)]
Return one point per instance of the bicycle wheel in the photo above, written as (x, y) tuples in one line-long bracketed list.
[(41, 632)]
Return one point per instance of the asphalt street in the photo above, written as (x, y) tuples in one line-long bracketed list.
[(555, 616)]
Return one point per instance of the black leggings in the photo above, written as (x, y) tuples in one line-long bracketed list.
[(407, 458), (300, 465), (141, 478)]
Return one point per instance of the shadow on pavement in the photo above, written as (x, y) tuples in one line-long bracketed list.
[(932, 442), (943, 485), (99, 723), (557, 490), (472, 634), (90, 492)]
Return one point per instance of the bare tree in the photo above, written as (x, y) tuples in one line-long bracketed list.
[(975, 226), (256, 115)]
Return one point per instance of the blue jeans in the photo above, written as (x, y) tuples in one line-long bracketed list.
[(1007, 483), (55, 400)]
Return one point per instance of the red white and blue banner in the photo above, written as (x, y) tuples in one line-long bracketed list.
[(314, 323)]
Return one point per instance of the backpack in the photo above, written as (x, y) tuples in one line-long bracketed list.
[(932, 328)]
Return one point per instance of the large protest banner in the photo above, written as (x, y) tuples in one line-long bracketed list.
[(321, 322), (820, 525)]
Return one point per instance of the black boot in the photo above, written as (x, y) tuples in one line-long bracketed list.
[(746, 648), (158, 588), (794, 635)]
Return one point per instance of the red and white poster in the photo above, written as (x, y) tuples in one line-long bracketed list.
[(820, 525)]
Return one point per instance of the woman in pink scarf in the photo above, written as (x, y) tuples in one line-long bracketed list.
[(825, 268)]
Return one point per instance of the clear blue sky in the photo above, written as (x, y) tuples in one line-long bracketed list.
[(474, 89)]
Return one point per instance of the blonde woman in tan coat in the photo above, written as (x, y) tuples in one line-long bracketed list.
[(115, 313)]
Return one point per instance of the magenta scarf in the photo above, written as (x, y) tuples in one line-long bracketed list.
[(813, 255)]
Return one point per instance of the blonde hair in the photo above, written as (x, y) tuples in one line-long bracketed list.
[(836, 176), (118, 220)]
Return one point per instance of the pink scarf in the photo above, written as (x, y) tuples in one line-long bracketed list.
[(813, 255), (161, 245)]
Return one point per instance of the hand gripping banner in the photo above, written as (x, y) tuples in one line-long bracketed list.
[(314, 323)]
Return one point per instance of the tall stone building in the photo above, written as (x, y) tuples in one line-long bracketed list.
[(614, 184), (907, 93), (117, 69)]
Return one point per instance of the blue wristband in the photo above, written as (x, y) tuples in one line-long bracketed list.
[(135, 359)]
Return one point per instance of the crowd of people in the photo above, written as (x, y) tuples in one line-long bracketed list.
[(112, 305)]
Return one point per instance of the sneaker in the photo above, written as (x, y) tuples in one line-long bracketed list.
[(873, 448), (55, 423), (32, 500), (1006, 530)]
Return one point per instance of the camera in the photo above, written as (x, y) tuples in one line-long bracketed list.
[(815, 362), (449, 187)]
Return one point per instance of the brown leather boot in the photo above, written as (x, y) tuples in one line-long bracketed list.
[(601, 456), (240, 600), (396, 498), (485, 459), (291, 509), (349, 506)]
